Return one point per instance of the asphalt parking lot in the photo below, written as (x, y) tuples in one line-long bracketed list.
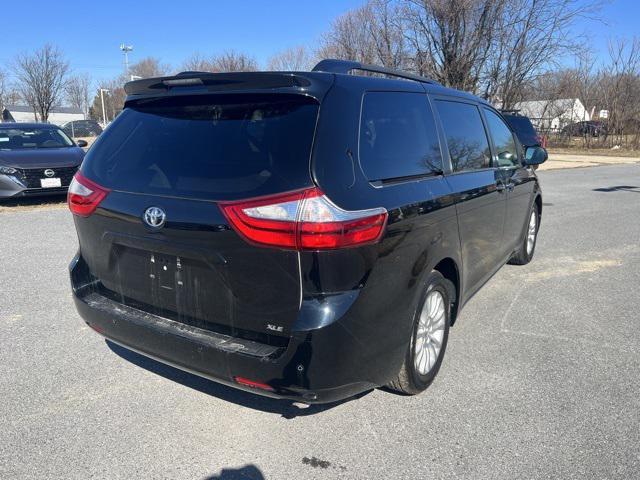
[(540, 380)]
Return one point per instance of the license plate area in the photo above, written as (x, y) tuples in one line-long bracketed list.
[(165, 272), (50, 182), (191, 288)]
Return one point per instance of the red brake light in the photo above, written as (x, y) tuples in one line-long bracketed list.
[(84, 195), (304, 220)]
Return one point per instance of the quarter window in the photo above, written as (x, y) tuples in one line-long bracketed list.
[(505, 145), (465, 134), (398, 136)]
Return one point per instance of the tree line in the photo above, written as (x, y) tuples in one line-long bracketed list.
[(503, 50)]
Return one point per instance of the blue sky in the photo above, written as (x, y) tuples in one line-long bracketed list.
[(90, 32)]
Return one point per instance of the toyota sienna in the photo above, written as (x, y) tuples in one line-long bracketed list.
[(303, 235)]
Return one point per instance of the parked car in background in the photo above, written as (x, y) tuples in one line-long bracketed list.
[(593, 128), (82, 128), (523, 128), (303, 235), (36, 159)]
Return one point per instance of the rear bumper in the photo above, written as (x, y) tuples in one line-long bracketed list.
[(319, 366)]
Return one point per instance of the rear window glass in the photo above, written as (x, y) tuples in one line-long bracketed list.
[(208, 147), (398, 136), (466, 137), (523, 128)]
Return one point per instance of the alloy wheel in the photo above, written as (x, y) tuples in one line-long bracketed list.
[(430, 333), (531, 234)]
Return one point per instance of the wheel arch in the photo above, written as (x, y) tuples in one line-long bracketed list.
[(538, 202), (448, 268)]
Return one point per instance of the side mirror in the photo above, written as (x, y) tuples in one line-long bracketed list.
[(535, 156), (82, 143)]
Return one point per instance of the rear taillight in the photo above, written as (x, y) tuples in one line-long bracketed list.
[(304, 220), (84, 196)]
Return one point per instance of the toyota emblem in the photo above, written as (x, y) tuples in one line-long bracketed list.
[(154, 217)]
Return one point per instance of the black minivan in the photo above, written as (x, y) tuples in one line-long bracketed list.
[(304, 235)]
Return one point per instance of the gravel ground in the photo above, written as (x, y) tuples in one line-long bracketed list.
[(540, 379)]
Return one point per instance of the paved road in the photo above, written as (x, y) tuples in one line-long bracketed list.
[(541, 379)]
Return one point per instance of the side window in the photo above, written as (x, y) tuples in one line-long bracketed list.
[(398, 136), (503, 140), (465, 134)]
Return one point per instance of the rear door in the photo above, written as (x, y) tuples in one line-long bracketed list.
[(476, 183), (184, 155)]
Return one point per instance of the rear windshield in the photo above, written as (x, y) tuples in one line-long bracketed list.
[(207, 147), (523, 128)]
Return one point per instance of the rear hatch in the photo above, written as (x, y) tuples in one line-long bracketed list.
[(524, 130), (184, 155)]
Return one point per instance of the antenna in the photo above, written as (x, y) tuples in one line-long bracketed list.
[(125, 50)]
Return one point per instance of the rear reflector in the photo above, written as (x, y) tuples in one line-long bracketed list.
[(84, 195), (252, 383), (304, 220)]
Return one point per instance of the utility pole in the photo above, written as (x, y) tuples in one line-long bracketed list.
[(104, 112), (125, 50)]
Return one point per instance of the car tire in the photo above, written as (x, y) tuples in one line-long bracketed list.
[(423, 359), (527, 248)]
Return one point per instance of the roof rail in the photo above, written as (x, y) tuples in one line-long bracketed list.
[(346, 66)]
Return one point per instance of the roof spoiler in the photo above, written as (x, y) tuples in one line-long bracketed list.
[(346, 66), (217, 82)]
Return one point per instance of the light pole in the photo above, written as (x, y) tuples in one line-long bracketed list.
[(104, 112), (125, 50)]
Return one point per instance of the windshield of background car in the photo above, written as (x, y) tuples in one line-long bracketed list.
[(19, 138)]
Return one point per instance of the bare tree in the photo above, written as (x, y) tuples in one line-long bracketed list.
[(619, 85), (349, 37), (451, 40), (291, 59), (229, 61), (197, 63), (232, 61), (149, 67), (368, 34), (114, 98), (583, 86), (386, 31), (42, 78), (77, 90), (532, 37), (490, 47)]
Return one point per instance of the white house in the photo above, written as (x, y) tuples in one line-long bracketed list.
[(57, 115), (553, 114)]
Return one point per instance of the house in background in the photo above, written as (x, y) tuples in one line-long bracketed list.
[(553, 115), (57, 115)]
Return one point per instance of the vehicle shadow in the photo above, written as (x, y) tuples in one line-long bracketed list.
[(243, 473), (27, 202), (286, 408), (618, 188)]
